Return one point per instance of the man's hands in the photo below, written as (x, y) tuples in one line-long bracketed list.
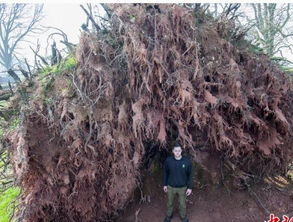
[(188, 192), (165, 188)]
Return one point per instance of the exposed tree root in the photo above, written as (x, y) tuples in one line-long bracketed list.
[(155, 76)]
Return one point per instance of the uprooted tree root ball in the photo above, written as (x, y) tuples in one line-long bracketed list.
[(158, 74)]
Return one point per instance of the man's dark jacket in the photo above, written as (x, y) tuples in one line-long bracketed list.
[(178, 173)]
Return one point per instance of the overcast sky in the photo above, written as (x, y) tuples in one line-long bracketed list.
[(67, 17)]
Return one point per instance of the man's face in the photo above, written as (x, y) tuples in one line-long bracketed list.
[(177, 151)]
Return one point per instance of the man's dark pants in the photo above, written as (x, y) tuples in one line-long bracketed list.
[(172, 191)]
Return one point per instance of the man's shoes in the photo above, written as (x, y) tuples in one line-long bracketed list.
[(167, 219), (185, 219)]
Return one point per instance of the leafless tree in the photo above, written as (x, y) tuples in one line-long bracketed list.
[(17, 23), (272, 29)]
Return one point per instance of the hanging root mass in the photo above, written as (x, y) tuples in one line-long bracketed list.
[(157, 74)]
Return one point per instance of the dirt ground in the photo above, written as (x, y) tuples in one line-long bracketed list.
[(210, 203)]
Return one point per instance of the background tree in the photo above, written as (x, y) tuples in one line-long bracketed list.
[(272, 28), (17, 23)]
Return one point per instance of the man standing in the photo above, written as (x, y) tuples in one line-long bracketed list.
[(177, 180)]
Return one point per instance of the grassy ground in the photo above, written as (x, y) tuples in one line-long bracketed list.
[(8, 197), (6, 203)]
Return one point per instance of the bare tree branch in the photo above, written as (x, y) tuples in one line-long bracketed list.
[(90, 17), (65, 40), (37, 55), (231, 10), (271, 27), (17, 22), (107, 10), (13, 75)]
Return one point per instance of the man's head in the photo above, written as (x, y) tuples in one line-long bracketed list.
[(177, 150)]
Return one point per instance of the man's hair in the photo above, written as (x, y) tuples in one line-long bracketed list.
[(176, 144)]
